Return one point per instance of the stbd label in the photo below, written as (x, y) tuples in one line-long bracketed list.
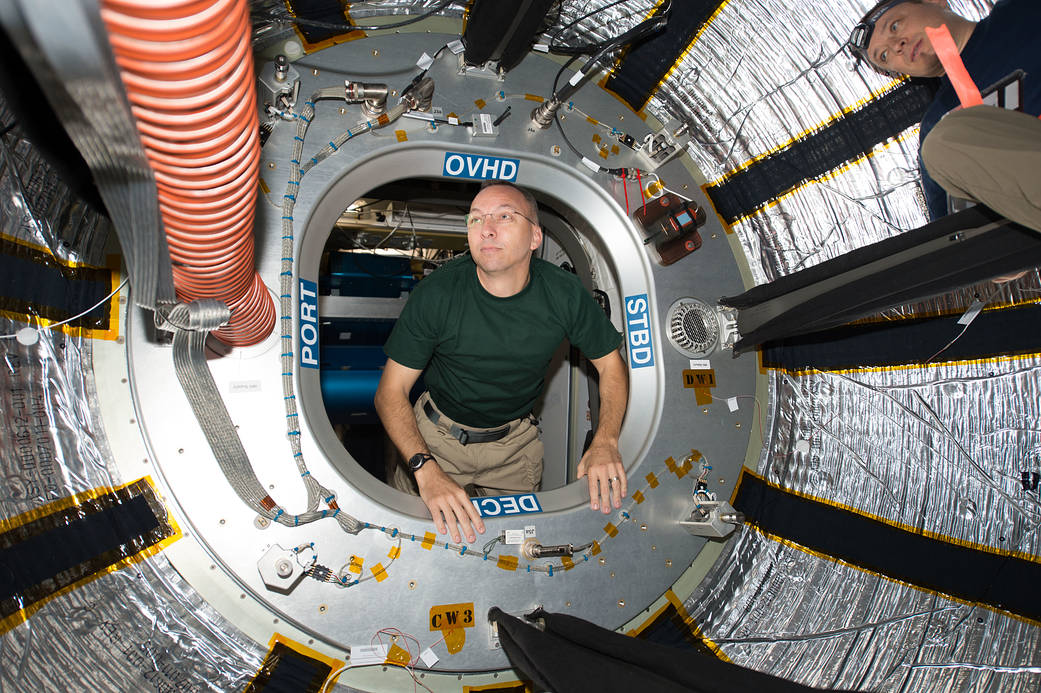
[(479, 166), (308, 347), (500, 506), (638, 329)]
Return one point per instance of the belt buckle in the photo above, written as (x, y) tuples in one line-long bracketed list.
[(464, 436)]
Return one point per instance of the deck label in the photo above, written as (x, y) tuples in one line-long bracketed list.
[(500, 506)]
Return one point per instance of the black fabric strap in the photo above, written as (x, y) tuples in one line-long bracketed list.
[(465, 435), (992, 576)]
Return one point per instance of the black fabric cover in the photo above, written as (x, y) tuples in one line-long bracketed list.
[(828, 297), (1004, 332), (33, 283), (330, 11), (502, 30), (575, 655), (287, 671), (644, 64), (848, 137), (969, 574), (47, 554)]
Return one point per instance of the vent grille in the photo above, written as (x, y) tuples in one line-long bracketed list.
[(693, 327)]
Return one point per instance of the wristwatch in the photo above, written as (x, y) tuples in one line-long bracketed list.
[(418, 460)]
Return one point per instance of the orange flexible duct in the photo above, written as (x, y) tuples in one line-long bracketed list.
[(187, 66)]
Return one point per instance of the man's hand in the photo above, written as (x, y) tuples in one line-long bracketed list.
[(602, 464), (448, 503)]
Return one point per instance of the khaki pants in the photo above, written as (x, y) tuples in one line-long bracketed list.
[(989, 155), (512, 464)]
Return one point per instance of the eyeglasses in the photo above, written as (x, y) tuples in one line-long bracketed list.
[(504, 217), (860, 37)]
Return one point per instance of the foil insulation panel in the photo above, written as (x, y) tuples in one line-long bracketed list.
[(140, 628), (762, 74), (773, 607), (578, 23), (939, 449)]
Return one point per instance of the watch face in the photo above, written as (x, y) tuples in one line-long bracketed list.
[(418, 460)]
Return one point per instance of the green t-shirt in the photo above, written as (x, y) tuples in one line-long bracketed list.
[(486, 357)]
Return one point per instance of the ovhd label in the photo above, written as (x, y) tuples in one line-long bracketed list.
[(500, 506), (479, 166), (308, 347), (638, 329)]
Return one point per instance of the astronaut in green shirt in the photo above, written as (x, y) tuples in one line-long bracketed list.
[(484, 328)]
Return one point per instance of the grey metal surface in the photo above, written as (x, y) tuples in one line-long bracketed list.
[(638, 564)]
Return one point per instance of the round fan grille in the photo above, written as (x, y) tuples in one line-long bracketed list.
[(693, 327)]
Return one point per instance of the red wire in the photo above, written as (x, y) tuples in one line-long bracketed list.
[(643, 198), (625, 188)]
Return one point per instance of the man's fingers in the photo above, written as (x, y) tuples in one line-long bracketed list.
[(617, 490), (475, 517), (439, 521)]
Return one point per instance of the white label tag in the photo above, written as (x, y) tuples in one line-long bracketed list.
[(456, 47), (368, 654), (732, 403), (514, 536), (969, 315), (424, 61), (700, 364), (239, 386), (529, 532), (540, 47), (428, 657)]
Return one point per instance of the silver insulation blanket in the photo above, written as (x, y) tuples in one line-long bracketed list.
[(775, 608), (138, 629), (938, 448)]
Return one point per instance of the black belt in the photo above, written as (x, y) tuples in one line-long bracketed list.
[(464, 435)]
